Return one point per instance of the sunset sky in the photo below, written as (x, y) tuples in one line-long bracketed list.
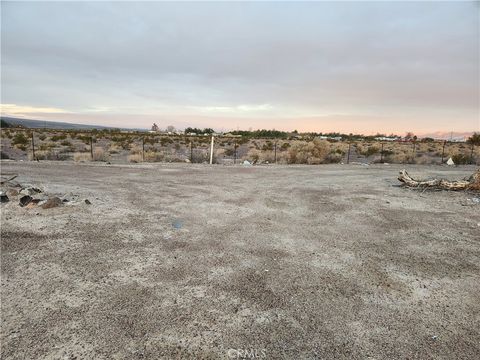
[(362, 67)]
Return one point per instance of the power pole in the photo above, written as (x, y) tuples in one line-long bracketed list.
[(91, 146), (143, 149), (381, 154), (348, 154)]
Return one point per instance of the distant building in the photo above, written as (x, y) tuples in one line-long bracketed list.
[(386, 138)]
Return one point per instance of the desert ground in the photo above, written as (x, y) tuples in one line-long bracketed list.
[(196, 261)]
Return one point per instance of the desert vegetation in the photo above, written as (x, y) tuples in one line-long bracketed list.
[(258, 147)]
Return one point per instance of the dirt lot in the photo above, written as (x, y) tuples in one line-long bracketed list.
[(193, 261)]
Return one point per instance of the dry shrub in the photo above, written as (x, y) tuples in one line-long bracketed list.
[(135, 158), (100, 155), (399, 158), (136, 149), (424, 159), (114, 148), (43, 155), (314, 152), (81, 157), (153, 156)]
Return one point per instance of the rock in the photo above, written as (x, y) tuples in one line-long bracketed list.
[(30, 191), (246, 163), (187, 161), (450, 162), (52, 202), (88, 202), (177, 224), (31, 205), (25, 200), (26, 191), (12, 192), (4, 198)]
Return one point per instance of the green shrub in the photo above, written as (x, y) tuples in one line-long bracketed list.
[(461, 159), (58, 137), (20, 140)]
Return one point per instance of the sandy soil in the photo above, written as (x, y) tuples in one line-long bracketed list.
[(191, 261)]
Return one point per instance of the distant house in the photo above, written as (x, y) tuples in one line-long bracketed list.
[(386, 138)]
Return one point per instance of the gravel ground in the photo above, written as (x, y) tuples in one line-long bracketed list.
[(193, 261)]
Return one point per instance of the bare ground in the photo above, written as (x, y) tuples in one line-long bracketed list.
[(191, 261)]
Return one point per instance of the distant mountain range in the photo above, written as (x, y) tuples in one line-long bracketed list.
[(43, 124), (455, 136)]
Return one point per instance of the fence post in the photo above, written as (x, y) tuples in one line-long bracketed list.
[(348, 153), (143, 149), (33, 147), (381, 154), (91, 146), (191, 151), (234, 152), (471, 154), (211, 152), (443, 150), (276, 141)]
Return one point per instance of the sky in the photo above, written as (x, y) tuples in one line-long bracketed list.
[(353, 67)]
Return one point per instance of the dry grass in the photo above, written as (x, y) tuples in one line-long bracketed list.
[(153, 156), (135, 158), (81, 157), (314, 152), (100, 155)]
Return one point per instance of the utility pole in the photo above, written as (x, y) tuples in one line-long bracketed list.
[(91, 146), (143, 149), (211, 152), (381, 154)]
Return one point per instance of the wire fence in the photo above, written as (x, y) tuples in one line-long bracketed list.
[(25, 144)]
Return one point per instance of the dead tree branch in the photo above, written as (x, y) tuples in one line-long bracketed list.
[(472, 183)]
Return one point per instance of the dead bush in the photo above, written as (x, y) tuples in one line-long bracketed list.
[(81, 157), (134, 158), (100, 155), (314, 152)]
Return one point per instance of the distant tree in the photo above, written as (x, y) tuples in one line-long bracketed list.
[(427, 139), (409, 136), (208, 131), (155, 127), (474, 139)]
